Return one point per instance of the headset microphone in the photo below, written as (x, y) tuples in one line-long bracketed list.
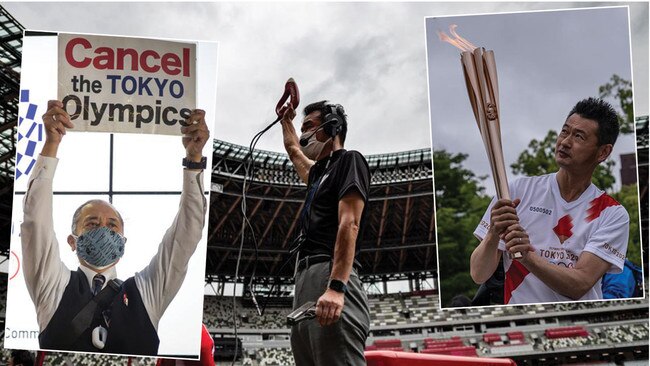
[(305, 140)]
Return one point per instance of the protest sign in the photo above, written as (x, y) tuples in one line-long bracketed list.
[(122, 84)]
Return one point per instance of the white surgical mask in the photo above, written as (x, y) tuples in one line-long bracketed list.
[(314, 147)]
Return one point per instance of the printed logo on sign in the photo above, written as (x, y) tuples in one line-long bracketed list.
[(30, 134)]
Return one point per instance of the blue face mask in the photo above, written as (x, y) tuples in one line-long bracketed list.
[(100, 247)]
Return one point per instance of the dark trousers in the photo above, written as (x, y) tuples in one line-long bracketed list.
[(341, 343)]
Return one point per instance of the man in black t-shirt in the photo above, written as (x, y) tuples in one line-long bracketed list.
[(338, 182)]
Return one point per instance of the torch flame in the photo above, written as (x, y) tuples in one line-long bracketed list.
[(457, 41)]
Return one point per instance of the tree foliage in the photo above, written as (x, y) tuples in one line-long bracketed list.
[(628, 197), (621, 90), (539, 159), (460, 204)]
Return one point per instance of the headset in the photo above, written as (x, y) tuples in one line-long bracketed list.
[(334, 120), (332, 123)]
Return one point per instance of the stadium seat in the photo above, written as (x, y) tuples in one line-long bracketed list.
[(390, 358)]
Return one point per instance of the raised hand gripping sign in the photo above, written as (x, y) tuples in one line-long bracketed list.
[(122, 84)]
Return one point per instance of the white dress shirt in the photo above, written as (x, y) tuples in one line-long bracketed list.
[(47, 276)]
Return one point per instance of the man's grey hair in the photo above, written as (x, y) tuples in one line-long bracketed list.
[(77, 213)]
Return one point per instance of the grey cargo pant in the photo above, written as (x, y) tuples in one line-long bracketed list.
[(341, 343)]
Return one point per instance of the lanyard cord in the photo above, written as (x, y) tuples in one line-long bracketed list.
[(249, 170)]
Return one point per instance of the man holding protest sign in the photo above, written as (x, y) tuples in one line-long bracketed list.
[(90, 309)]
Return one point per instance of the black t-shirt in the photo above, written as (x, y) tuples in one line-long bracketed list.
[(347, 171)]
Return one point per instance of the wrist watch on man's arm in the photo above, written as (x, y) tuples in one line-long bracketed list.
[(337, 286)]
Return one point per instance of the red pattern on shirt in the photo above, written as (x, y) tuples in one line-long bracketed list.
[(598, 205), (563, 228), (514, 277)]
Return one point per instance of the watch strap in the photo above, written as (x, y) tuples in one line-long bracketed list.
[(337, 286), (189, 164)]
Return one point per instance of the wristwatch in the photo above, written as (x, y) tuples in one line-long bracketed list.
[(338, 286), (189, 164)]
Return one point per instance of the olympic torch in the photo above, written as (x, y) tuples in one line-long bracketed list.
[(480, 70)]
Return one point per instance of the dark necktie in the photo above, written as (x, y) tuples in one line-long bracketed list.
[(98, 282)]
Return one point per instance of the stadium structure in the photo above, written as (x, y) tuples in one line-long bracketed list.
[(11, 33), (399, 238), (398, 245)]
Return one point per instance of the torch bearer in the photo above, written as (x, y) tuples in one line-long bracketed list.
[(480, 72)]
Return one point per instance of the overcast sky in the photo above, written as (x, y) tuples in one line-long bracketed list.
[(546, 62), (370, 57)]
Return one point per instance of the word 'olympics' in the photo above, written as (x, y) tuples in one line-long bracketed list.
[(120, 112)]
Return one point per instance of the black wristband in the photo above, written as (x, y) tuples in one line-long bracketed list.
[(189, 164), (338, 286)]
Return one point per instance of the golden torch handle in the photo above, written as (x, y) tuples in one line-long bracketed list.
[(480, 70), (480, 73)]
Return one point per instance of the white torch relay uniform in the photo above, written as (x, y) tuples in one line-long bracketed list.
[(560, 231)]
